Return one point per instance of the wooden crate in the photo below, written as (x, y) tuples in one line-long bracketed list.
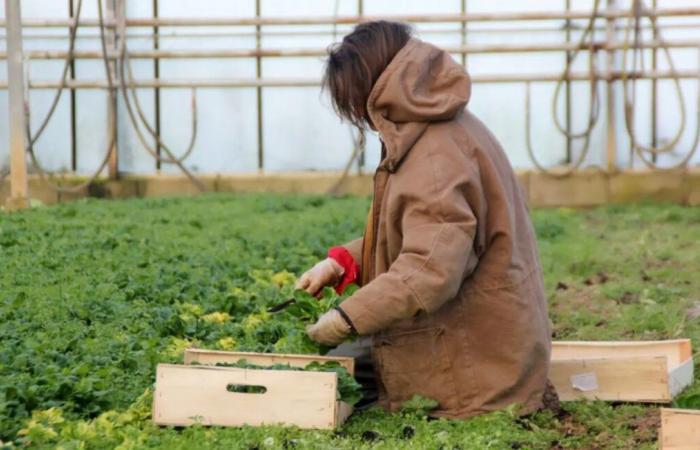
[(189, 394), (640, 371), (680, 429)]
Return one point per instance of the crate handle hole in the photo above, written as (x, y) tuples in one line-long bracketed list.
[(246, 388)]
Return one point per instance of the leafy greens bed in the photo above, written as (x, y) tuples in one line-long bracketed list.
[(94, 294)]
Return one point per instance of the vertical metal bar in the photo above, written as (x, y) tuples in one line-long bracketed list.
[(110, 35), (654, 86), (156, 90), (611, 146), (15, 85), (361, 159), (258, 75), (568, 82), (73, 129)]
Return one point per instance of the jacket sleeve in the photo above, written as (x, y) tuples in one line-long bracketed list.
[(354, 247), (436, 254), (351, 270)]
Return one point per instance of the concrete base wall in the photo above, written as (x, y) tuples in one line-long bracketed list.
[(582, 189)]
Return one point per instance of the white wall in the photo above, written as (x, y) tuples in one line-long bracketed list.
[(300, 130)]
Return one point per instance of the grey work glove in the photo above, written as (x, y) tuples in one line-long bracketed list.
[(331, 329), (325, 273)]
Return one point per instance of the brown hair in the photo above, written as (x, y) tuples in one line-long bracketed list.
[(354, 65)]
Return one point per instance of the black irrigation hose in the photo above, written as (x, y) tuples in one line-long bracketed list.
[(31, 140), (134, 121), (636, 13), (359, 145), (126, 62), (359, 142), (594, 108), (73, 31), (45, 177)]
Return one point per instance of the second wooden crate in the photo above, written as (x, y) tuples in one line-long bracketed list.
[(680, 429), (638, 371)]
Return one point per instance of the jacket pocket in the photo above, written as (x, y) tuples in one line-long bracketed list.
[(416, 362)]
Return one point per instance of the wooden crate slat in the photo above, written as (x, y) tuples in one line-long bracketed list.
[(203, 356), (186, 395), (637, 371), (628, 379), (677, 350), (342, 413), (680, 429)]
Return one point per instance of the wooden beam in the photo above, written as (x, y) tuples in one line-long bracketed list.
[(19, 196), (583, 189)]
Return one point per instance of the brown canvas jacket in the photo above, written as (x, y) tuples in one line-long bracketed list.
[(453, 290)]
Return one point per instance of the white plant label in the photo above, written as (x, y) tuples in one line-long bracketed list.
[(585, 382)]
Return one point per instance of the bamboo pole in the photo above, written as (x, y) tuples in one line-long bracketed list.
[(319, 52), (19, 196), (611, 13), (315, 82), (424, 31)]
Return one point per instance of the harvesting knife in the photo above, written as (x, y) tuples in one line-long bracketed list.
[(280, 306)]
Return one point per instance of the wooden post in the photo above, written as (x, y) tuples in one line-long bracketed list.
[(19, 198), (654, 87), (611, 146), (114, 11)]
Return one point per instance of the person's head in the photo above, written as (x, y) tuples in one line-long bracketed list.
[(354, 65)]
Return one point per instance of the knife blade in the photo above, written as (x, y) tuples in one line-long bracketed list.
[(280, 306)]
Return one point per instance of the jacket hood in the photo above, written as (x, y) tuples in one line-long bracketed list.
[(422, 84)]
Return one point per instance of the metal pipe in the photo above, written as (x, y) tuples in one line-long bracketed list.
[(156, 90), (315, 82), (73, 105), (258, 90), (318, 52), (362, 159), (612, 13)]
